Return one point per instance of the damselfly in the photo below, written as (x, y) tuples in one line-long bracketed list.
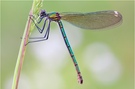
[(92, 20)]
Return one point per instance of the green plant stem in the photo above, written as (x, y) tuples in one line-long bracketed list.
[(21, 54), (37, 4)]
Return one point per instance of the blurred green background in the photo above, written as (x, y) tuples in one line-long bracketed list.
[(105, 57)]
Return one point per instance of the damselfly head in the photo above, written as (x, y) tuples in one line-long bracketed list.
[(43, 13)]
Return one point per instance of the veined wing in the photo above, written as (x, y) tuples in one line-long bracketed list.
[(93, 20)]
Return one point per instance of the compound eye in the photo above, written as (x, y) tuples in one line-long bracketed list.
[(42, 13)]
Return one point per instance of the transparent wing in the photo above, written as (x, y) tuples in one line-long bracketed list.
[(93, 20)]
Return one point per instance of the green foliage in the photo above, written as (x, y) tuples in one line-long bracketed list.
[(36, 7)]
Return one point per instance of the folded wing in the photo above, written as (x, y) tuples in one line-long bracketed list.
[(93, 20)]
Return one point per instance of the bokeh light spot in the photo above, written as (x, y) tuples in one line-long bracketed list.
[(102, 63)]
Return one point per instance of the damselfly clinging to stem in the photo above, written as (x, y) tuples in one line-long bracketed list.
[(92, 20)]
